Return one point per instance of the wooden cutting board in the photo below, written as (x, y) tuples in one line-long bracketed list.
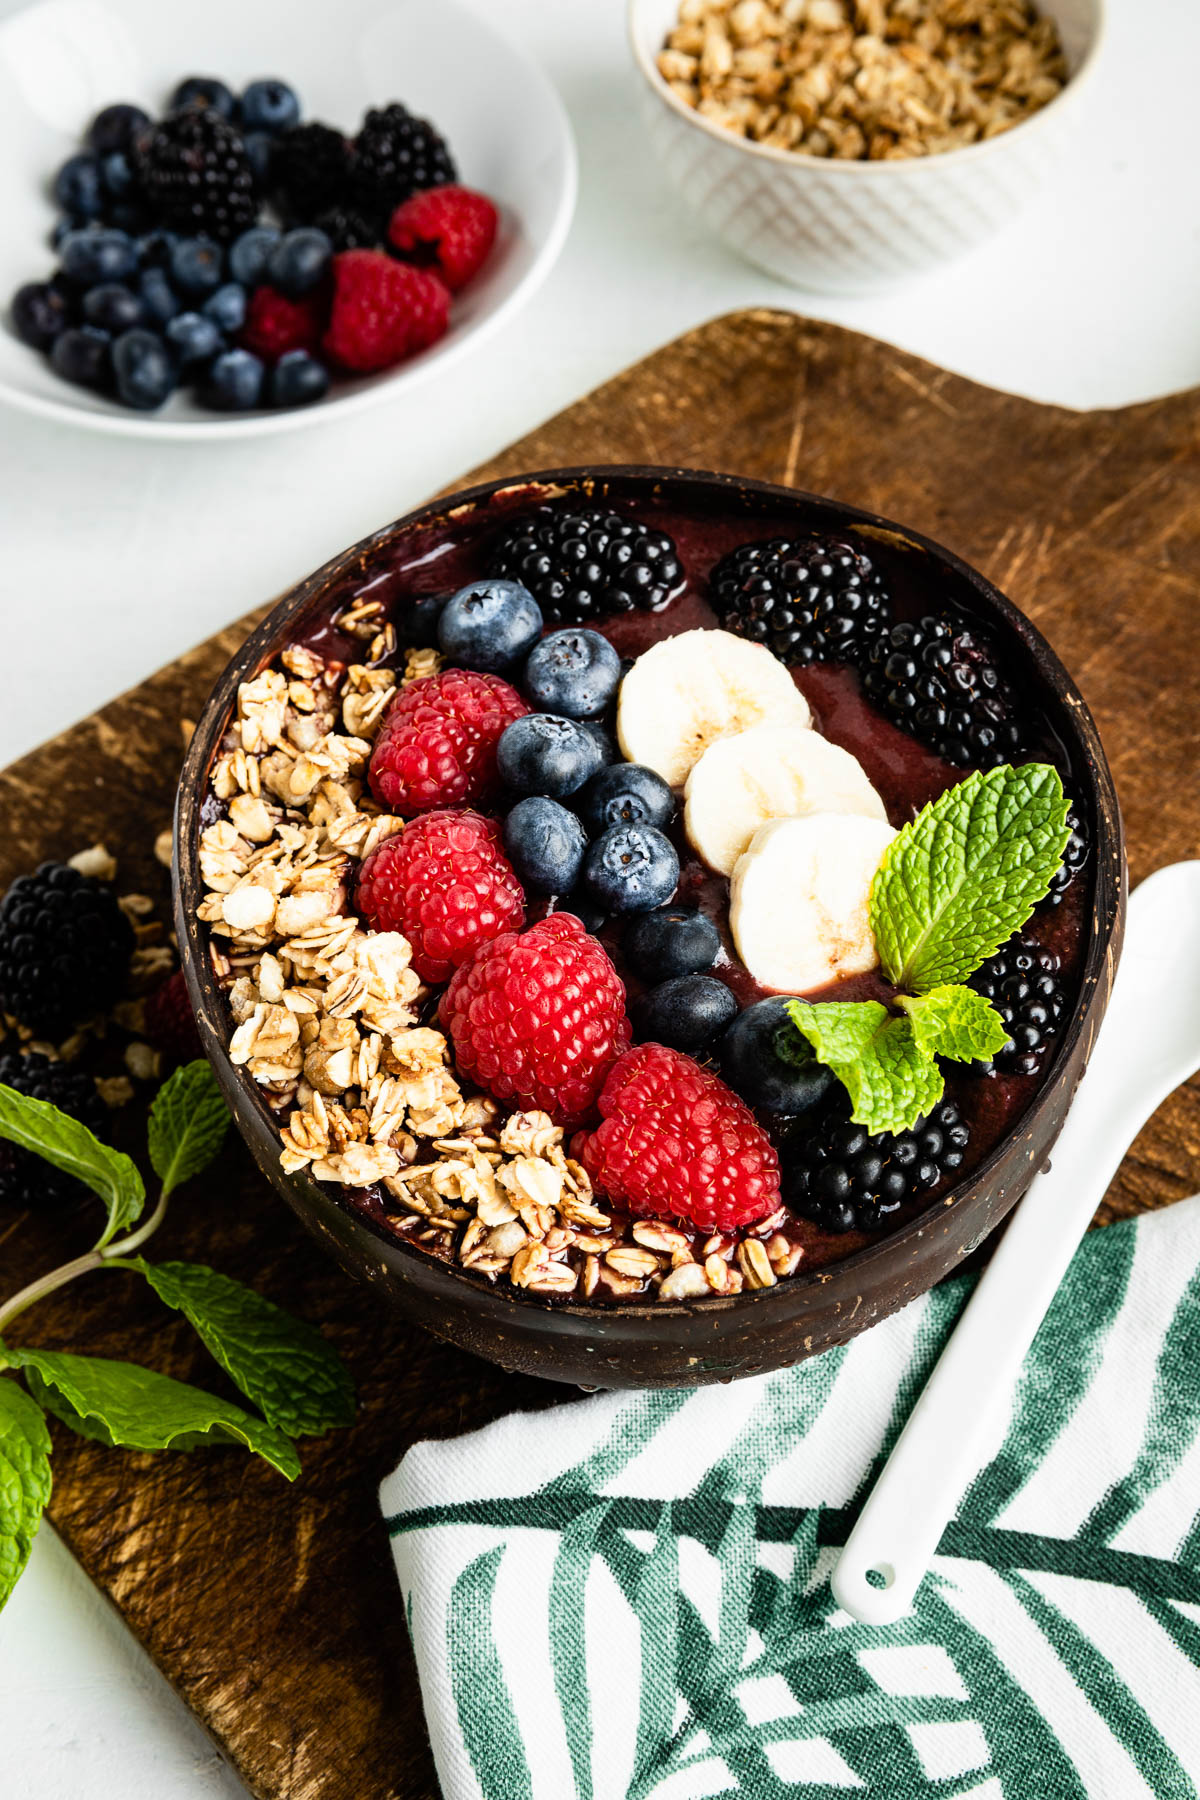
[(274, 1610)]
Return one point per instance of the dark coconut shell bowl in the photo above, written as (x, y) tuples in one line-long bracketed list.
[(720, 1338)]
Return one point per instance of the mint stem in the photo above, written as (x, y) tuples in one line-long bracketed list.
[(82, 1265)]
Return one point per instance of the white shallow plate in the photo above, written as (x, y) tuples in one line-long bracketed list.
[(61, 61)]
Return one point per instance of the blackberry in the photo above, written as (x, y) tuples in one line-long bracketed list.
[(195, 175), (347, 229), (65, 947), (25, 1180), (809, 599), (940, 681), (309, 170), (844, 1178), (1074, 857), (1022, 981), (395, 155), (582, 565)]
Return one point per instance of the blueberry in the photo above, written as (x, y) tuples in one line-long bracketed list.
[(269, 106), (674, 940), (39, 313), (131, 216), (227, 307), (586, 908), (764, 1059), (545, 844), (62, 228), (234, 382), (117, 174), (540, 754), (249, 254), (575, 672), (154, 247), (260, 150), (685, 1013), (78, 187), (115, 126), (603, 739), (158, 296), (626, 794), (298, 379), (489, 624), (81, 354), (632, 868), (416, 622), (194, 338), (143, 369), (98, 253), (203, 91), (195, 267), (113, 307), (299, 260)]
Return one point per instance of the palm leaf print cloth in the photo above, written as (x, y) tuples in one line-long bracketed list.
[(627, 1598)]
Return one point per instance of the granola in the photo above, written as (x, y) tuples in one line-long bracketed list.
[(863, 80)]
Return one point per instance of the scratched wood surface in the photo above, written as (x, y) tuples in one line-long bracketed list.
[(273, 1610)]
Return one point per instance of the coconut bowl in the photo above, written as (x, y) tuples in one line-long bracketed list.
[(681, 1344)]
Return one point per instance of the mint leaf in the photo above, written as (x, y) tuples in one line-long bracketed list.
[(966, 873), (280, 1363), (24, 1481), (57, 1138), (891, 1081), (187, 1126), (122, 1403), (955, 1022)]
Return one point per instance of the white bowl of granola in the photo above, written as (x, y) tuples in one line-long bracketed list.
[(848, 145)]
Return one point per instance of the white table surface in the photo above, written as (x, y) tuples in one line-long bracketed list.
[(118, 555)]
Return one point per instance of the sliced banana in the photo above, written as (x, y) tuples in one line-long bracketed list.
[(769, 772), (798, 899), (685, 692)]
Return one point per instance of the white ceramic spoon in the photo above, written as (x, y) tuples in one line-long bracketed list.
[(1149, 1043)]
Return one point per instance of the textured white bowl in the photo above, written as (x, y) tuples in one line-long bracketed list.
[(64, 59), (854, 227)]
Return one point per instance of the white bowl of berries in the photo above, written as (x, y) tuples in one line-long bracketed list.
[(254, 217)]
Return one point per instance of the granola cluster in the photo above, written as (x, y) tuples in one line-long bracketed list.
[(872, 80), (326, 1015)]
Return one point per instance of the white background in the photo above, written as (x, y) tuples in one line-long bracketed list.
[(117, 555)]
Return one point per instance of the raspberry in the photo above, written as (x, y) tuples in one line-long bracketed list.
[(383, 310), (170, 1023), (538, 1017), (274, 324), (448, 229), (438, 743), (445, 884), (677, 1143)]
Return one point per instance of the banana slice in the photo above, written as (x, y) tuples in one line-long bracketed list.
[(798, 899), (769, 772), (685, 692)]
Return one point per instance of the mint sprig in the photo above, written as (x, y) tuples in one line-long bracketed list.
[(280, 1364), (24, 1481), (953, 887)]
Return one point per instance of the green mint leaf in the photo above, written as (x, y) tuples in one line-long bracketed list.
[(966, 873), (955, 1022), (57, 1138), (188, 1122), (891, 1081), (120, 1403), (282, 1364), (24, 1481)]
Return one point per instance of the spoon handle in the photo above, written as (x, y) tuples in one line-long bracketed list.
[(959, 1418)]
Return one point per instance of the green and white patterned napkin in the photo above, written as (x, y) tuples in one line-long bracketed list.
[(627, 1598)]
